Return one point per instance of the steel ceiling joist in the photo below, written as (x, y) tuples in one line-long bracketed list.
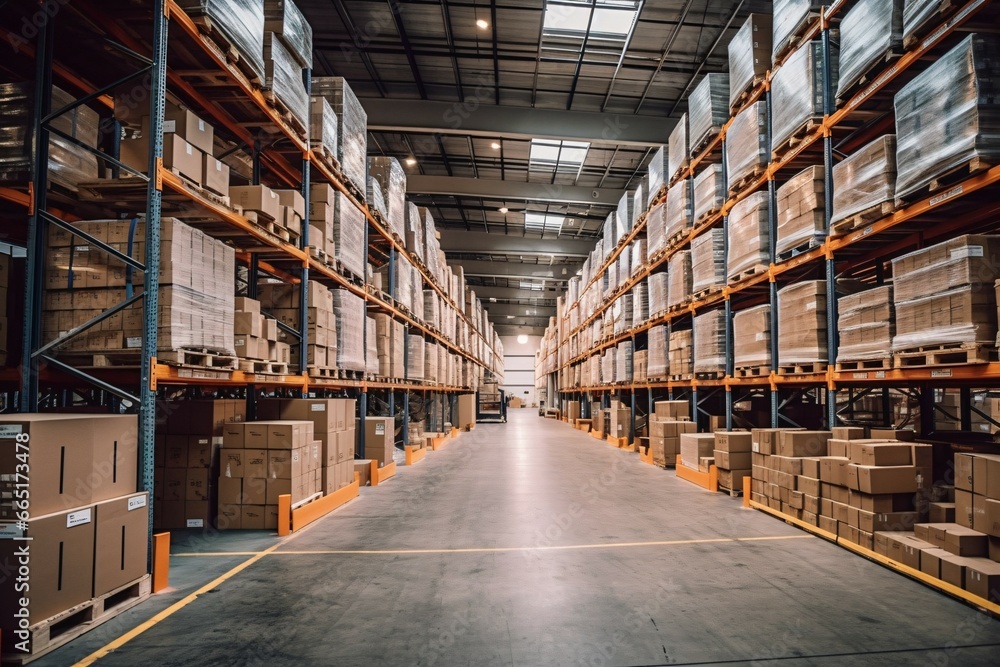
[(455, 241), (533, 272), (510, 190)]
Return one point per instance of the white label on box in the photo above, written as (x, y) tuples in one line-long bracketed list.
[(188, 148), (318, 407), (136, 502), (10, 531), (218, 165), (201, 125), (760, 336), (967, 251), (169, 126), (10, 430), (380, 429), (78, 518), (133, 342), (81, 248), (195, 523)]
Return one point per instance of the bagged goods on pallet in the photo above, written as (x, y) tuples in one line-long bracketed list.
[(790, 18), (801, 206), (797, 91), (708, 108), (949, 115), (284, 18), (658, 288), (323, 125), (943, 295), (749, 55), (350, 311), (708, 257), (624, 216), (865, 179), (390, 175), (709, 191), (710, 342), (69, 165), (283, 77), (678, 149), (747, 150), (352, 127), (865, 324), (868, 32), (752, 337), (197, 283), (749, 237), (656, 229), (241, 23), (679, 353), (657, 173), (623, 362), (679, 278), (679, 211)]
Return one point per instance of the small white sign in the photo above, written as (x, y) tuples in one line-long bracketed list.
[(10, 531), (380, 429), (967, 251), (169, 126), (318, 407), (133, 342), (78, 518), (10, 430), (195, 523), (136, 502)]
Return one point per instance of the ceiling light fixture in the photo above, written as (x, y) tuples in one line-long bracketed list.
[(522, 340), (483, 25), (495, 145), (510, 317), (503, 209), (410, 161)]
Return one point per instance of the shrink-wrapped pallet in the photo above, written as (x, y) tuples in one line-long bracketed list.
[(415, 357), (322, 126), (352, 127), (611, 237), (390, 175), (622, 313), (708, 109), (749, 238), (658, 288), (624, 216), (797, 92), (624, 262), (639, 200), (752, 337), (241, 23), (657, 365), (624, 362), (790, 19), (949, 115), (865, 325), (709, 191), (747, 150), (679, 354), (608, 367), (708, 260), (710, 342), (638, 259), (376, 197), (350, 311), (640, 365), (802, 323), (972, 259), (371, 347), (680, 209), (640, 304), (749, 56), (431, 243), (678, 149), (431, 363), (656, 229), (414, 240), (801, 206), (865, 179), (919, 16), (869, 30), (284, 18), (679, 278), (283, 78), (657, 174)]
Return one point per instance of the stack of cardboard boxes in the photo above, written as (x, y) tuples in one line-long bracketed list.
[(86, 524), (256, 336), (466, 411), (697, 451), (281, 301), (390, 337), (380, 439), (679, 356), (802, 322), (801, 209), (865, 325), (732, 456), (667, 426)]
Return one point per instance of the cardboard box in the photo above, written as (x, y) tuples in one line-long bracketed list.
[(196, 485), (289, 434), (671, 429), (231, 492), (215, 175), (848, 432), (986, 475), (254, 463), (363, 469), (186, 125), (252, 517), (254, 490), (982, 578), (230, 517), (732, 461), (734, 441), (201, 452), (120, 546), (964, 471), (672, 410), (881, 454), (258, 198), (941, 512), (886, 479), (803, 443), (963, 541), (254, 435), (694, 447), (285, 463), (278, 487), (180, 156), (231, 463)]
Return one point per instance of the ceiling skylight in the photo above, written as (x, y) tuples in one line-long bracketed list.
[(612, 18), (565, 155), (543, 222)]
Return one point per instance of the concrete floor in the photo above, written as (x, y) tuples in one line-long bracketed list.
[(531, 543)]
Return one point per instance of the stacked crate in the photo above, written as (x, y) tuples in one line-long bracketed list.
[(752, 340), (801, 210), (679, 357), (256, 337), (281, 302), (865, 327), (697, 451), (732, 454), (669, 421)]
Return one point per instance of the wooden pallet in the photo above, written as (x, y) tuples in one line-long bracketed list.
[(811, 244), (865, 217), (319, 255), (944, 9), (747, 179), (680, 378), (48, 635), (676, 239), (710, 375), (802, 369), (735, 105), (704, 140), (754, 270), (878, 66), (732, 493), (947, 179), (705, 215), (752, 371), (706, 292), (795, 138), (199, 358), (257, 366), (946, 355), (795, 40), (286, 113), (848, 365), (217, 39), (328, 159)]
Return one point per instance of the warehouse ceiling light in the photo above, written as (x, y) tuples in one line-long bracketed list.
[(522, 339), (612, 19), (483, 25), (503, 209), (410, 161), (542, 222), (534, 287), (495, 145)]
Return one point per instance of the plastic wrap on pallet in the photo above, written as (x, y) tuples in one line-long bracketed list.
[(865, 179), (371, 347), (624, 262), (656, 229), (639, 255), (679, 278), (608, 367), (680, 209), (640, 365), (390, 175), (708, 260), (323, 125), (656, 176), (624, 217), (414, 231), (197, 284), (283, 77), (349, 225), (678, 149), (350, 312), (749, 234), (710, 342), (917, 15), (865, 324), (623, 314), (69, 165), (709, 191), (679, 352), (869, 30), (752, 337), (802, 322), (415, 357), (624, 361), (658, 286), (749, 55), (964, 315), (790, 18), (431, 363), (241, 22), (708, 109), (657, 368), (949, 114), (797, 91), (376, 199), (639, 200), (431, 244), (286, 19), (610, 233), (801, 206), (352, 127), (971, 259), (640, 304), (747, 149)]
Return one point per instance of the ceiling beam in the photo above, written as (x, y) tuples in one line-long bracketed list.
[(459, 241), (498, 310), (489, 120), (510, 190), (486, 293), (517, 270)]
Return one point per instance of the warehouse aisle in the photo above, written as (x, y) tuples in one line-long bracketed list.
[(533, 544)]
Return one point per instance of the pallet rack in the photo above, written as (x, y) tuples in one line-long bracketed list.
[(967, 207), (237, 108)]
